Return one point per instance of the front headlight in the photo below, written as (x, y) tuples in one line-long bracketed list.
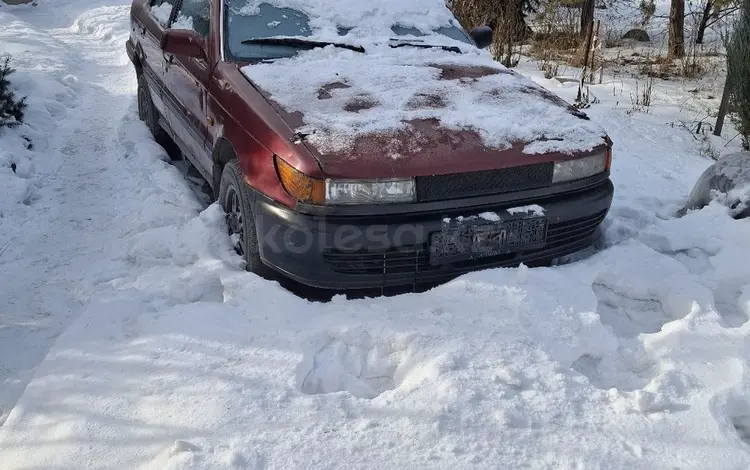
[(344, 191), (578, 168), (378, 191)]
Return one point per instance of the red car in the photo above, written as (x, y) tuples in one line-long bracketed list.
[(367, 143)]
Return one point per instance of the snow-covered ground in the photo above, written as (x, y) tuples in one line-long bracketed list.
[(130, 337)]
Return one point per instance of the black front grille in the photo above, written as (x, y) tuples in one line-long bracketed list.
[(483, 183), (415, 259), (405, 260), (562, 233)]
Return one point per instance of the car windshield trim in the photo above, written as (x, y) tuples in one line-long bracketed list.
[(301, 43)]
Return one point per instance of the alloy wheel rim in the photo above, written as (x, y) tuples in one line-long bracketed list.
[(235, 223)]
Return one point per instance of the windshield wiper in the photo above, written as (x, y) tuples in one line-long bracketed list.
[(301, 43), (427, 46)]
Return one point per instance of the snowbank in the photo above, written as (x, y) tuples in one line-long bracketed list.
[(71, 187), (43, 74), (28, 162), (727, 181), (611, 363)]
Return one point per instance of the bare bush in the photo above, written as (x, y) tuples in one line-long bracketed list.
[(558, 15), (656, 67), (558, 35), (550, 69), (693, 64), (611, 38), (558, 45), (641, 100), (505, 17), (506, 37)]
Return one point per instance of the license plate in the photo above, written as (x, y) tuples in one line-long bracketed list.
[(480, 240)]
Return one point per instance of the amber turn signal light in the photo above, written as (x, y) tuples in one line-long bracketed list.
[(300, 186)]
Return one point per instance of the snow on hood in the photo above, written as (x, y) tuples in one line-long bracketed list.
[(344, 94)]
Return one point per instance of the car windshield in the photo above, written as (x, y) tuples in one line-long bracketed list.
[(244, 31)]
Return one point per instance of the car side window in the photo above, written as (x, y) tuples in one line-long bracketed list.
[(195, 15), (162, 11)]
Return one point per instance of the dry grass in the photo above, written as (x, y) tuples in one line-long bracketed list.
[(641, 100), (549, 68), (694, 65), (611, 38), (655, 67), (700, 61)]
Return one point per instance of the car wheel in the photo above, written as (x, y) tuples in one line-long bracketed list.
[(147, 112), (234, 198)]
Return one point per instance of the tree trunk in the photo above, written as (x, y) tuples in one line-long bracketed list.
[(519, 21), (723, 108), (587, 47), (587, 16), (676, 30), (707, 13)]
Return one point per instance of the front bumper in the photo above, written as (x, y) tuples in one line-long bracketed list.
[(349, 251)]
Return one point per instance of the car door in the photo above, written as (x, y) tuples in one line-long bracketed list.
[(151, 18), (186, 84)]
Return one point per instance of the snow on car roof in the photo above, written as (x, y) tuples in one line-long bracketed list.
[(344, 94)]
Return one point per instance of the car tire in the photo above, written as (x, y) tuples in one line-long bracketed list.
[(147, 111), (234, 197)]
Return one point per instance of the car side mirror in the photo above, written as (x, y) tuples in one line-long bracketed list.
[(482, 36), (183, 42)]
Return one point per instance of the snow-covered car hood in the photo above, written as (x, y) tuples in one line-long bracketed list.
[(399, 103)]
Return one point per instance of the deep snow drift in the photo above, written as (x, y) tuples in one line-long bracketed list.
[(173, 357)]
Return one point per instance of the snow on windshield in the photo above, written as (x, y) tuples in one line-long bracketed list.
[(344, 94), (364, 19)]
